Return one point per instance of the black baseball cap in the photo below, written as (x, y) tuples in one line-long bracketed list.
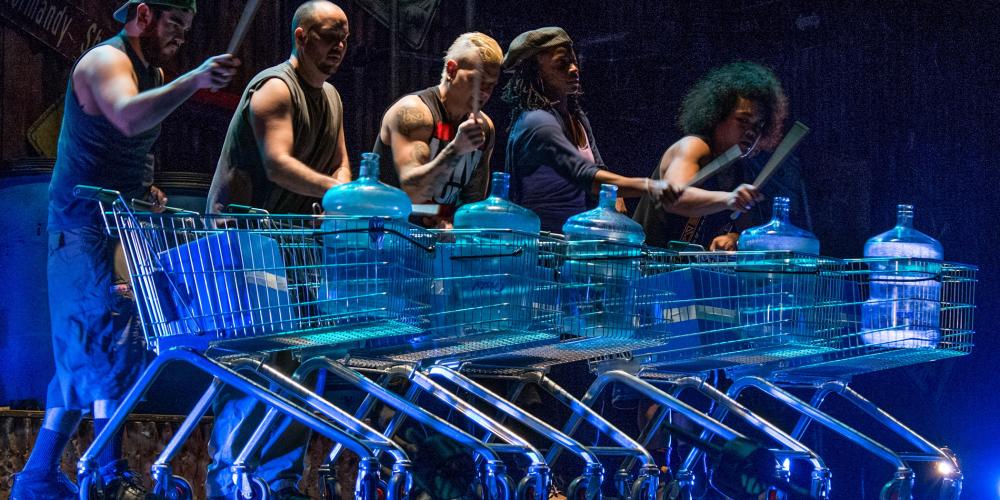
[(122, 13)]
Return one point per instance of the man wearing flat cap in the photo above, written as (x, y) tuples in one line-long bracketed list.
[(435, 144), (552, 157), (115, 102)]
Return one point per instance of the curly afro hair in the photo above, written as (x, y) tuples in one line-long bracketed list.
[(711, 100)]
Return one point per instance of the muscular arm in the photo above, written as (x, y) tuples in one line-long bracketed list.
[(408, 126), (271, 120), (678, 166), (105, 84)]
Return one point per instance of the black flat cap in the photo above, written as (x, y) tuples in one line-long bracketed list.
[(529, 43)]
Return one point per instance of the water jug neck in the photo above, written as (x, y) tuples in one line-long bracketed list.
[(499, 185), (369, 166), (609, 193), (779, 211), (904, 216)]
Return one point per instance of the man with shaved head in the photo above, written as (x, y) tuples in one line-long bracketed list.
[(284, 149), (435, 144)]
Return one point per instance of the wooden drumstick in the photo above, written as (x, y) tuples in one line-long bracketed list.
[(249, 11)]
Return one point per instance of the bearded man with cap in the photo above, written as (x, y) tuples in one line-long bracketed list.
[(552, 157), (115, 102)]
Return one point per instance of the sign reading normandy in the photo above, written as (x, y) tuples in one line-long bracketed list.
[(56, 23)]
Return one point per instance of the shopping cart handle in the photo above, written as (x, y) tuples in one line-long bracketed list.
[(145, 205), (95, 193), (233, 208)]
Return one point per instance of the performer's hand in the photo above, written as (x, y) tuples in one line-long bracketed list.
[(724, 243), (470, 136), (620, 205), (216, 72), (664, 193), (157, 198), (743, 198)]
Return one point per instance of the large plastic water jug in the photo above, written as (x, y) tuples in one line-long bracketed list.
[(362, 260), (602, 263), (496, 211), (777, 290), (779, 233), (604, 223), (903, 309)]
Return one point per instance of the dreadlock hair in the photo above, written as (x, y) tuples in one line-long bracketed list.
[(525, 91), (713, 98)]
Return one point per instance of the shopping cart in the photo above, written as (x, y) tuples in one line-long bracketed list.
[(488, 294), (882, 313), (219, 293), (704, 312)]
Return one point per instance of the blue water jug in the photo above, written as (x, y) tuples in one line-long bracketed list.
[(496, 211), (362, 261), (777, 291), (602, 264), (904, 305), (604, 223), (779, 233)]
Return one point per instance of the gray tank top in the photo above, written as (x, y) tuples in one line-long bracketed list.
[(92, 151), (317, 115)]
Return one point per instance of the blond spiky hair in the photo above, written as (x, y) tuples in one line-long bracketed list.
[(488, 49)]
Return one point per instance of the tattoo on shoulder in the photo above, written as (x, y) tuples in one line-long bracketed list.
[(409, 119)]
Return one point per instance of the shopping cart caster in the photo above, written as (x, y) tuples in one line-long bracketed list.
[(821, 482), (645, 486), (535, 484), (172, 488), (250, 487), (329, 487), (584, 488), (369, 485), (90, 486), (897, 489), (622, 482), (400, 483)]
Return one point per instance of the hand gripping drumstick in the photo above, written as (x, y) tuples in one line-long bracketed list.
[(249, 11), (783, 151)]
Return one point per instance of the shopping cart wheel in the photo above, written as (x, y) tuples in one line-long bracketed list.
[(773, 494), (257, 489), (177, 488), (329, 487), (622, 482), (501, 489), (584, 488), (399, 486), (893, 490), (644, 488), (674, 490), (90, 487)]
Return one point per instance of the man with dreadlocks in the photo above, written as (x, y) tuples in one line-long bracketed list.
[(551, 155), (435, 144), (740, 103)]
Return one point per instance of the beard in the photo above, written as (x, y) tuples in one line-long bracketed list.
[(152, 47)]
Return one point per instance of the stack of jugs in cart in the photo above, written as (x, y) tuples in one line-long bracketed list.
[(602, 263), (356, 214), (493, 251), (903, 306), (778, 286)]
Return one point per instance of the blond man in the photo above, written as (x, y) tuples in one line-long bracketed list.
[(435, 144)]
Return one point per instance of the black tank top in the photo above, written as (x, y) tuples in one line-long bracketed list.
[(443, 133)]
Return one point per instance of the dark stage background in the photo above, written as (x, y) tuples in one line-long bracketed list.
[(900, 97)]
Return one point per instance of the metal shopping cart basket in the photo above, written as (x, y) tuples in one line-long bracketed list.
[(217, 292), (881, 313)]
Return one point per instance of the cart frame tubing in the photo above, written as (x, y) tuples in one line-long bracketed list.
[(398, 403), (315, 402), (86, 466), (841, 388), (779, 394), (428, 385), (821, 475)]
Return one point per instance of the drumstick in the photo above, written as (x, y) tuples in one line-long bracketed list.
[(249, 11), (783, 151), (477, 82), (717, 165)]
